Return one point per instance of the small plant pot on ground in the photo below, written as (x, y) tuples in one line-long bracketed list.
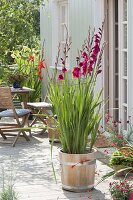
[(53, 135), (77, 171), (53, 132)]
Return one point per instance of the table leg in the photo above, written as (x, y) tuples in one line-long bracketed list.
[(25, 98)]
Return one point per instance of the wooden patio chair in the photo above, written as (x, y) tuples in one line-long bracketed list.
[(39, 110), (20, 116)]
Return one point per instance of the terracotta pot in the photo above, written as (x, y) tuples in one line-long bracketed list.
[(77, 171)]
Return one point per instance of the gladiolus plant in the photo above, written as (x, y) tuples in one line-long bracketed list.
[(72, 94)]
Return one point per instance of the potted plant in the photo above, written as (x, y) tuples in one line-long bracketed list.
[(53, 132), (121, 190), (78, 107), (15, 77), (122, 160)]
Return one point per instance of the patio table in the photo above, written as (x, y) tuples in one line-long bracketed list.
[(23, 92)]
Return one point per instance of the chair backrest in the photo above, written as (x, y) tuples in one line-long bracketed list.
[(6, 101)]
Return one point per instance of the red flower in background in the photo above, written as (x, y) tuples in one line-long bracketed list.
[(40, 67), (31, 57), (120, 189), (39, 72), (40, 78)]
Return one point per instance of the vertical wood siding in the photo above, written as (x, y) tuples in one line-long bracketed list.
[(46, 29), (80, 18), (81, 15), (46, 34)]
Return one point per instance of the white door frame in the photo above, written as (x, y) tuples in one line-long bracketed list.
[(109, 61)]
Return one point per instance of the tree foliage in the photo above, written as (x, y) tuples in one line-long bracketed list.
[(19, 25)]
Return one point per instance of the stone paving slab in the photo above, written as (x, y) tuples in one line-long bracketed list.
[(30, 164)]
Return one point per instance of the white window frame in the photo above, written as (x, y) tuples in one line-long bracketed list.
[(111, 21), (56, 27), (122, 78), (109, 58)]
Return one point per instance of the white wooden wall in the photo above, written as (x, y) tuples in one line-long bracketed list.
[(80, 18), (46, 34), (81, 15)]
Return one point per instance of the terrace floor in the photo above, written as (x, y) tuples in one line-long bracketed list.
[(30, 165)]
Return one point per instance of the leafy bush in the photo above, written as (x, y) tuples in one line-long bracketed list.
[(123, 156), (28, 63), (117, 135), (120, 190), (19, 24)]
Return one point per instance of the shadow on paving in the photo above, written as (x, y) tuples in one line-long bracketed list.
[(92, 194), (30, 163)]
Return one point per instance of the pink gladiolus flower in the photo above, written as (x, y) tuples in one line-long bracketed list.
[(97, 36), (63, 62), (96, 49), (60, 77), (99, 71), (84, 63), (91, 63), (76, 72), (93, 56), (97, 41), (84, 54), (81, 64), (131, 196), (90, 69), (84, 69), (64, 70)]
